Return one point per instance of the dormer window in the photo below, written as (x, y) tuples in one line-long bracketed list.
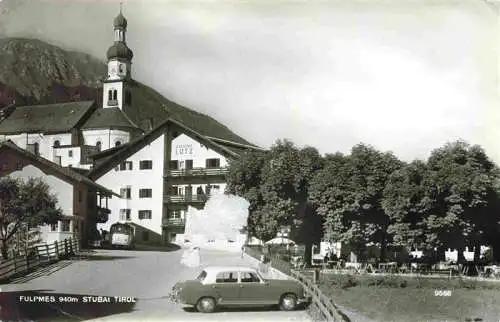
[(57, 143), (118, 143), (98, 146)]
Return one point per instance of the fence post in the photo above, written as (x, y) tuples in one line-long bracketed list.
[(70, 247), (47, 251), (57, 250), (66, 248)]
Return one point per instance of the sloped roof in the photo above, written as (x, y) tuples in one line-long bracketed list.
[(109, 118), (109, 161), (53, 118), (65, 172)]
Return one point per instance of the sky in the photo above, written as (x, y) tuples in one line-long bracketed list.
[(405, 76)]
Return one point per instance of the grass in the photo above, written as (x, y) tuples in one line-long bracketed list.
[(392, 298)]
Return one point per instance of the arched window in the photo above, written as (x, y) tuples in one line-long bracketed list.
[(57, 144), (110, 95), (118, 143), (115, 95), (98, 145)]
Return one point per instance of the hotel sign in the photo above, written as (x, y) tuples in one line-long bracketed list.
[(183, 149)]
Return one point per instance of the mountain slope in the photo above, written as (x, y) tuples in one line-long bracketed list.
[(35, 72)]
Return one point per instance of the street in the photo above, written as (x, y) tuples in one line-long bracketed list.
[(147, 276)]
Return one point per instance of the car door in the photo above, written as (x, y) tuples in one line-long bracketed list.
[(254, 291), (227, 288)]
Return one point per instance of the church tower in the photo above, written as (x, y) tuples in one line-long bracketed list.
[(115, 91)]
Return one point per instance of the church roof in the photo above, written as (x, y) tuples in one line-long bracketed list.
[(120, 50), (109, 118), (53, 118), (68, 173)]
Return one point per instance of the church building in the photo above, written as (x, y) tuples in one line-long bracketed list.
[(159, 169)]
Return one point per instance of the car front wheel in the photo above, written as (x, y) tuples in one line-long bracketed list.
[(206, 305), (288, 302)]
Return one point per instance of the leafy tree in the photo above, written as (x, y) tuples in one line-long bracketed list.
[(244, 179), (402, 202), (22, 203), (461, 199), (349, 194)]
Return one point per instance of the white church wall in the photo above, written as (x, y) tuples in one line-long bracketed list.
[(45, 142), (108, 138), (64, 193), (138, 179)]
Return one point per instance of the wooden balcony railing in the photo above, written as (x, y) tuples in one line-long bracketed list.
[(176, 222), (198, 172), (186, 199)]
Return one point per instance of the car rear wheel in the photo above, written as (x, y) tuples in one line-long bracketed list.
[(206, 305), (288, 302)]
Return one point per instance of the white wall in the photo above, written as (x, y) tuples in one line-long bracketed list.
[(107, 138), (185, 148), (64, 193), (46, 142), (138, 179)]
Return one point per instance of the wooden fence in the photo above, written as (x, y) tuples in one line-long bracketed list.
[(38, 256), (328, 310)]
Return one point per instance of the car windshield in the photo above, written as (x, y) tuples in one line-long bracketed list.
[(202, 276)]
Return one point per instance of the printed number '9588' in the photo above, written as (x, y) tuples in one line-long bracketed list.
[(442, 293)]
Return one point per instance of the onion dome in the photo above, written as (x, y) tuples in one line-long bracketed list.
[(120, 50), (120, 22)]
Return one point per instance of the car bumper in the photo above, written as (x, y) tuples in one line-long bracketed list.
[(304, 300)]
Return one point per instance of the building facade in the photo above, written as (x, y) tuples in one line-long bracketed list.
[(81, 200)]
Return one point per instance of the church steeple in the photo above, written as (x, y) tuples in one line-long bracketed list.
[(119, 66)]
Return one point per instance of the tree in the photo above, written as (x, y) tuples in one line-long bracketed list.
[(402, 202), (461, 200), (244, 179), (349, 193), (27, 203)]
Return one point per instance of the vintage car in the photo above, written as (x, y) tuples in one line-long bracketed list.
[(229, 286)]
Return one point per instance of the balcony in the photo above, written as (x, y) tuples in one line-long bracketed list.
[(174, 222), (197, 172), (186, 199)]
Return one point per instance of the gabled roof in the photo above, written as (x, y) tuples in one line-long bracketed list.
[(109, 118), (53, 118), (68, 173), (108, 162)]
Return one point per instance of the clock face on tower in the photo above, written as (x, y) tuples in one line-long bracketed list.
[(121, 69)]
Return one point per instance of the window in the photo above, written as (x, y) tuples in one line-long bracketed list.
[(118, 143), (124, 214), (174, 191), (145, 164), (80, 196), (70, 153), (189, 164), (249, 277), (144, 214), (213, 163), (227, 277), (98, 145), (174, 214), (53, 227), (202, 276), (145, 193), (57, 143), (115, 95), (174, 165), (145, 235), (126, 193), (110, 95), (127, 165), (65, 225)]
